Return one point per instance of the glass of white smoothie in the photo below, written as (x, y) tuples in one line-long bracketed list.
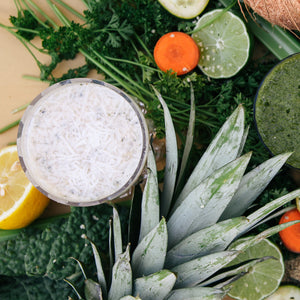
[(83, 142)]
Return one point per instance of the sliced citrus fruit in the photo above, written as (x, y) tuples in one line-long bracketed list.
[(20, 202), (185, 9), (263, 278), (224, 44)]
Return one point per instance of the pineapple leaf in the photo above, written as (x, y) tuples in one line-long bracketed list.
[(149, 255), (261, 236), (121, 284), (268, 208), (189, 139), (205, 241), (171, 158), (92, 290), (100, 273), (117, 234), (150, 200), (192, 273), (252, 185), (223, 149), (155, 286), (208, 200), (196, 293), (237, 271)]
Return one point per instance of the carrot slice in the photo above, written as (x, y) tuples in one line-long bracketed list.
[(291, 235), (176, 51)]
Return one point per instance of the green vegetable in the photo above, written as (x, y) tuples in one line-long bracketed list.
[(45, 248), (32, 288)]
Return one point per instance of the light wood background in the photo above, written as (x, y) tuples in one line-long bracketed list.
[(15, 62)]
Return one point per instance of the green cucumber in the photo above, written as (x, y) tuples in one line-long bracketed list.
[(185, 9), (286, 292)]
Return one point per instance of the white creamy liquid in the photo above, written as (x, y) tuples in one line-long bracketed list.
[(82, 142)]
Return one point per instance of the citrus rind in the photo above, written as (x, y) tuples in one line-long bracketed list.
[(21, 203), (224, 44), (263, 278)]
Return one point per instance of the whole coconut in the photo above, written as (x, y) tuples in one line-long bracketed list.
[(284, 13)]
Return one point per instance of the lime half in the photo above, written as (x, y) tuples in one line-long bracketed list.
[(263, 278), (224, 44), (185, 9)]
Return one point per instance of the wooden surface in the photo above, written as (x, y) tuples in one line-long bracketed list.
[(15, 62)]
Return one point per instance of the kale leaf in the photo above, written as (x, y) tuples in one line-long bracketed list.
[(47, 252)]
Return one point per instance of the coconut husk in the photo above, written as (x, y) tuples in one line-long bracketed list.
[(284, 13)]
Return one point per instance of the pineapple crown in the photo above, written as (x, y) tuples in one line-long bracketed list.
[(185, 234)]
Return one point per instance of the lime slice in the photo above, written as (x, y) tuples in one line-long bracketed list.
[(263, 278), (288, 292), (224, 44), (185, 9)]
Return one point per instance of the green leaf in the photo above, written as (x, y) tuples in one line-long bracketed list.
[(204, 205), (264, 211), (252, 185), (117, 233), (100, 273), (155, 286), (224, 148), (121, 284), (196, 293), (197, 270), (150, 201), (214, 238), (92, 290), (171, 159), (149, 255), (189, 138)]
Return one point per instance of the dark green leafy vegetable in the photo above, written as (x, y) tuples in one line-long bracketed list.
[(32, 288), (47, 251)]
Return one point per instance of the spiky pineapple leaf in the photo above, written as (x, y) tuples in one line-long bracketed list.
[(92, 290), (267, 209), (171, 159), (252, 185), (150, 201), (223, 149), (213, 238), (197, 270), (117, 234), (235, 273), (189, 139), (121, 281), (208, 200), (149, 255), (155, 286), (196, 293), (100, 273)]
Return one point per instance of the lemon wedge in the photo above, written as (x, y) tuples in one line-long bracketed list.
[(20, 202)]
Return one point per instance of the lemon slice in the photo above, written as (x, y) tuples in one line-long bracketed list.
[(185, 9), (224, 44), (20, 202), (264, 277)]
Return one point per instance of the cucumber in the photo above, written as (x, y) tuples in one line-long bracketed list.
[(286, 292), (185, 9)]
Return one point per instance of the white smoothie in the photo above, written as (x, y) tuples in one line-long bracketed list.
[(82, 142)]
